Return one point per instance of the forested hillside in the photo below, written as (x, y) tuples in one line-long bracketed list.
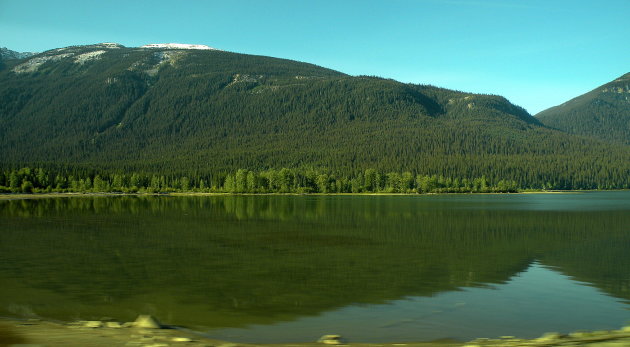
[(603, 113), (108, 110)]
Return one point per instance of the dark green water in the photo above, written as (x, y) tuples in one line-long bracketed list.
[(291, 268)]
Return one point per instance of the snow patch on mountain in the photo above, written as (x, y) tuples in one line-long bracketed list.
[(178, 46)]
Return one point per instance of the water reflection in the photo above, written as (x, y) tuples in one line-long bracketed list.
[(233, 261), (527, 306)]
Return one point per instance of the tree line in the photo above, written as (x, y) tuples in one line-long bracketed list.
[(39, 180)]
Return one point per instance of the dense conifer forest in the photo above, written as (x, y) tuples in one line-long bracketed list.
[(110, 118), (603, 113)]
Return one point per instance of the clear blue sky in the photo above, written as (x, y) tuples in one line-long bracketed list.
[(537, 53)]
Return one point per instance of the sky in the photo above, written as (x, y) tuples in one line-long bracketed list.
[(536, 53)]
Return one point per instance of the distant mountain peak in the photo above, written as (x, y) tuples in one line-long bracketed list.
[(177, 46), (6, 53)]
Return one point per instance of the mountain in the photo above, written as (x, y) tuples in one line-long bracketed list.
[(195, 112), (6, 53), (176, 46), (603, 113)]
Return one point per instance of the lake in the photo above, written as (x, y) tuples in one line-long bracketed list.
[(292, 268)]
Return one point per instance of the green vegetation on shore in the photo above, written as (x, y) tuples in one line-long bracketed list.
[(28, 180)]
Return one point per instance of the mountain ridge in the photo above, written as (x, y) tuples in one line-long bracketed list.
[(602, 113), (6, 53), (175, 111), (177, 46)]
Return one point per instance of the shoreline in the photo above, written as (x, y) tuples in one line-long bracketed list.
[(38, 332), (49, 333), (22, 196)]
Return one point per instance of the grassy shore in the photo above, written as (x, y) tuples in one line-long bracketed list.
[(19, 196)]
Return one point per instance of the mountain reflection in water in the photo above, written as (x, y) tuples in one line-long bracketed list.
[(527, 305), (259, 263)]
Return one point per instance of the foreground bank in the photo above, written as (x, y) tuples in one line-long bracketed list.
[(146, 331)]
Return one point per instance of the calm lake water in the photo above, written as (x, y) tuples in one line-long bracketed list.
[(292, 268)]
